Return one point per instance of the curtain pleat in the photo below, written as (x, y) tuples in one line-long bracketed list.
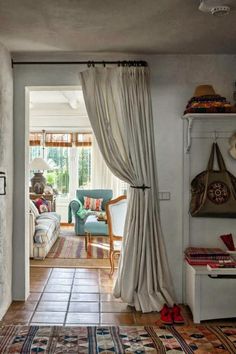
[(118, 103)]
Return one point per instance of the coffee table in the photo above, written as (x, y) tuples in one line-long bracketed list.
[(94, 227)]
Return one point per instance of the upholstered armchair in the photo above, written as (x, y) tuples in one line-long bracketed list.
[(76, 206)]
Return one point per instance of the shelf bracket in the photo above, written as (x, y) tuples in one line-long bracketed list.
[(189, 139)]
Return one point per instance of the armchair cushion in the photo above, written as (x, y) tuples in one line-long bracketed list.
[(77, 209), (92, 203)]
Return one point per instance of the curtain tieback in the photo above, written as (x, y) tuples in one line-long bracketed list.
[(143, 187)]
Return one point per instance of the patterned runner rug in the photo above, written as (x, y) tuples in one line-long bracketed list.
[(69, 246), (90, 340)]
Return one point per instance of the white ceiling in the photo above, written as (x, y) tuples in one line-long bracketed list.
[(128, 26), (58, 110)]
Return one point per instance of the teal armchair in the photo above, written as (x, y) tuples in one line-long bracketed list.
[(76, 206)]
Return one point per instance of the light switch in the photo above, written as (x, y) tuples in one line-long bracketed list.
[(164, 195)]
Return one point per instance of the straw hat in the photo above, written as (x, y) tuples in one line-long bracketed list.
[(204, 90), (232, 149)]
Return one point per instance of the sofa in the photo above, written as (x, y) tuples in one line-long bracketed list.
[(43, 231), (76, 207)]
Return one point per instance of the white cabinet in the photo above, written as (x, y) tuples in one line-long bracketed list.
[(210, 294)]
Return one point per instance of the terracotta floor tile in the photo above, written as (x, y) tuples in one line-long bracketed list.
[(84, 297), (85, 289), (106, 289), (51, 306), (49, 317), (62, 276), (60, 281), (86, 270), (117, 319), (23, 306), (55, 296), (108, 297), (37, 288), (47, 324), (57, 289), (78, 281), (147, 318), (82, 318), (113, 306), (34, 296), (63, 270), (38, 277), (84, 307), (86, 276), (17, 317), (40, 271)]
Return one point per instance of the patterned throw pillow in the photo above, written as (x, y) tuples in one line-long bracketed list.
[(93, 204), (42, 205)]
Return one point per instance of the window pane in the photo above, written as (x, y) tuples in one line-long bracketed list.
[(58, 158), (84, 167)]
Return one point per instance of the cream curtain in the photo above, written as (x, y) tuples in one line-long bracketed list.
[(101, 175), (118, 102)]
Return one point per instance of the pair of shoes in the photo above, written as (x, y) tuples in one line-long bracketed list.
[(170, 316)]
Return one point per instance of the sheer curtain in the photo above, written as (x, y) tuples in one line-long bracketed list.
[(101, 175), (118, 103)]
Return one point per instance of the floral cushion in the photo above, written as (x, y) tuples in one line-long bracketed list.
[(42, 205), (93, 204)]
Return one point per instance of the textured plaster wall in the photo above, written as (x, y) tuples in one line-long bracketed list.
[(173, 79), (6, 165)]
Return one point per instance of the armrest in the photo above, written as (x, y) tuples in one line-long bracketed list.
[(31, 233), (74, 206)]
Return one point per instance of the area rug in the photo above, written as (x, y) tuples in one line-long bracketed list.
[(103, 339), (69, 246)]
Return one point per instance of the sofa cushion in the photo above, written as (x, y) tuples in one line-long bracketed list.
[(50, 216)]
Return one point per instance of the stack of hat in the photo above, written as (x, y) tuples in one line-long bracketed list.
[(205, 100)]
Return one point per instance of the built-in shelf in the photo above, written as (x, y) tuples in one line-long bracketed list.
[(190, 117)]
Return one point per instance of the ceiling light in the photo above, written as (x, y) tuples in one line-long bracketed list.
[(215, 7)]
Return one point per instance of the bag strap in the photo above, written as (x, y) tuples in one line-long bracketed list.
[(211, 158), (220, 160)]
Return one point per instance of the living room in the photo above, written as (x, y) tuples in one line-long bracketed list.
[(61, 136)]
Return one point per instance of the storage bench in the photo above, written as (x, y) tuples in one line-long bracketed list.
[(210, 294)]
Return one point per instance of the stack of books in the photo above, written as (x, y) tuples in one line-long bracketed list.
[(224, 266), (203, 256)]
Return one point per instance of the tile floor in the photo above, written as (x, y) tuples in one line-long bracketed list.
[(69, 296)]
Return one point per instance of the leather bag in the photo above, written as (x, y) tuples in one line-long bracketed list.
[(214, 191)]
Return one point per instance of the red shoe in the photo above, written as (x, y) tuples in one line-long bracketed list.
[(177, 317), (166, 315)]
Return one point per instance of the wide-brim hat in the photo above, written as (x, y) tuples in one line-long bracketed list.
[(204, 90)]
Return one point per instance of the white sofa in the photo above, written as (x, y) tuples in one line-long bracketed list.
[(43, 231)]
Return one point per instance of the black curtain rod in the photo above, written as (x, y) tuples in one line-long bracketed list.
[(89, 63)]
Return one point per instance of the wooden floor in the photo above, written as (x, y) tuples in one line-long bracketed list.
[(70, 296)]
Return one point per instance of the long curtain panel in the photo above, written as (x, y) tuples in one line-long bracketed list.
[(118, 103), (101, 175)]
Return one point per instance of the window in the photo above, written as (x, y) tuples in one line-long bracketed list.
[(69, 155)]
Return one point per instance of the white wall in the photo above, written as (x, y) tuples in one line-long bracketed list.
[(173, 79), (6, 165)]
